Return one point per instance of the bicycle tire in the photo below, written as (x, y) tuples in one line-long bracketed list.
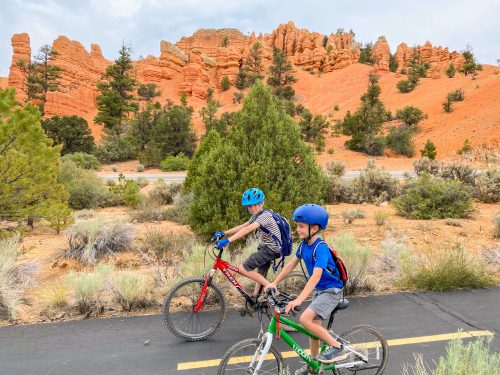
[(294, 283), (349, 335), (214, 304), (251, 345)]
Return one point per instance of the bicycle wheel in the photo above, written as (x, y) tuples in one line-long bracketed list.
[(294, 283), (368, 341), (238, 358), (179, 314)]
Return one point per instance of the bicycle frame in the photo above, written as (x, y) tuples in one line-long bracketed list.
[(274, 329), (225, 268)]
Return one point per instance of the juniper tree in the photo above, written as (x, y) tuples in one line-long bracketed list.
[(71, 132), (281, 76)]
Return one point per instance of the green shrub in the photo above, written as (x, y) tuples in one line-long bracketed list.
[(457, 171), (453, 223), (71, 132), (487, 186), (496, 225), (428, 197), (164, 192), (357, 258), (225, 83), (410, 115), (449, 270), (396, 254), (335, 168), (374, 185), (405, 86), (83, 160), (381, 217), (466, 147), (175, 163), (116, 148), (94, 239), (336, 108), (14, 277), (331, 151), (142, 181), (338, 190), (238, 97), (429, 150), (456, 96), (148, 211), (88, 288), (351, 214), (399, 139), (114, 168), (131, 289), (448, 105), (477, 357), (167, 245), (179, 212), (132, 194), (426, 165), (140, 167), (85, 189), (450, 71), (55, 295)]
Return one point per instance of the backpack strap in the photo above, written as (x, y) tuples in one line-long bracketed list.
[(315, 247), (301, 266)]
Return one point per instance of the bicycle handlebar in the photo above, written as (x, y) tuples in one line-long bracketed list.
[(279, 305)]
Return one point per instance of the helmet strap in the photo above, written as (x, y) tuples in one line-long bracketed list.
[(313, 234)]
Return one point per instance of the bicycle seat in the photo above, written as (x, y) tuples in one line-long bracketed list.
[(343, 304)]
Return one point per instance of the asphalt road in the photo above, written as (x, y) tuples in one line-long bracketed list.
[(180, 176), (116, 345)]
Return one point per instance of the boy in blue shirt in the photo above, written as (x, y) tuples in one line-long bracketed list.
[(324, 281)]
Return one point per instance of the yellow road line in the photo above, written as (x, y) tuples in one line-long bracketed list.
[(393, 342)]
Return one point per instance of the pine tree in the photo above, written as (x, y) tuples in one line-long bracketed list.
[(208, 113), (281, 76), (470, 64), (71, 132), (429, 150), (450, 71), (365, 124), (253, 64), (28, 164), (42, 75), (148, 91), (225, 83), (263, 148), (117, 88), (393, 64)]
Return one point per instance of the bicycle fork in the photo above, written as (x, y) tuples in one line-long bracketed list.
[(261, 352), (201, 298)]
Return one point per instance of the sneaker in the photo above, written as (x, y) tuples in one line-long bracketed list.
[(332, 354), (304, 370)]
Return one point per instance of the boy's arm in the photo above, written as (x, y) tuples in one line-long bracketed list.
[(285, 271), (244, 231), (311, 284), (236, 229)]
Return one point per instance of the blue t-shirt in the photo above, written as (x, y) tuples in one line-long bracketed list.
[(324, 260)]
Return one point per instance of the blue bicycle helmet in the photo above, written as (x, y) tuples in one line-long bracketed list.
[(311, 214), (252, 196)]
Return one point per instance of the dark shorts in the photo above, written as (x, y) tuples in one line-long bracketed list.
[(261, 260)]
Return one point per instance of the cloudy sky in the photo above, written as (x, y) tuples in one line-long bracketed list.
[(143, 23)]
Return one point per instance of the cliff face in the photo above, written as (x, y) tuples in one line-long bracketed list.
[(200, 61)]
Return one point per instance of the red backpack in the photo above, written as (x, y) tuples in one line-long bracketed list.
[(339, 263)]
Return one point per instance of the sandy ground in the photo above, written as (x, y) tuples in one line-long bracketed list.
[(44, 246)]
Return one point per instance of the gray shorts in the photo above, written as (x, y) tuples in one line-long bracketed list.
[(324, 301), (261, 260)]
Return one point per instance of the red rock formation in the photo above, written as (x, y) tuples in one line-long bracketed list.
[(381, 52), (196, 80), (21, 52)]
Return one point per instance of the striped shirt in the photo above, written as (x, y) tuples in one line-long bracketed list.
[(265, 219)]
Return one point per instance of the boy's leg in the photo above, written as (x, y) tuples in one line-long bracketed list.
[(257, 265), (309, 320)]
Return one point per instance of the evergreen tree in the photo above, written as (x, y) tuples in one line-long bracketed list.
[(241, 80), (71, 132), (313, 128), (42, 75), (365, 124), (281, 76), (470, 65), (142, 125), (171, 134), (225, 41), (393, 64), (225, 83), (28, 164), (365, 55), (208, 113), (253, 64), (410, 115), (117, 88), (148, 92), (429, 150), (450, 71), (263, 148)]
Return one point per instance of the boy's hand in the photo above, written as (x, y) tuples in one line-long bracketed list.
[(218, 234), (270, 286), (222, 243), (292, 304)]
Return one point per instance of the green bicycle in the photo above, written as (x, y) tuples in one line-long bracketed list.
[(366, 350)]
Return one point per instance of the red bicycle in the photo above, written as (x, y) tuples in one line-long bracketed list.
[(195, 308)]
